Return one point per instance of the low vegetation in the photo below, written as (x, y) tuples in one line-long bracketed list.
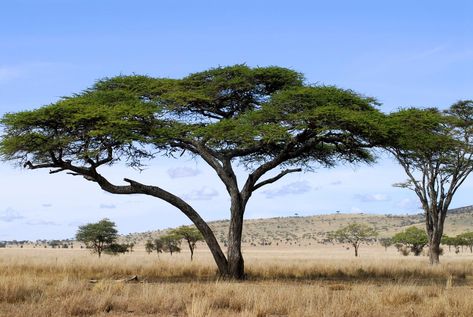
[(324, 281)]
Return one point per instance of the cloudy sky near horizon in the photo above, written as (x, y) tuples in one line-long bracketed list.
[(405, 54)]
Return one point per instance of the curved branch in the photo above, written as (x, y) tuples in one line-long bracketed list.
[(277, 177)]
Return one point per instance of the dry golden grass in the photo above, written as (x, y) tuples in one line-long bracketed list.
[(318, 281)]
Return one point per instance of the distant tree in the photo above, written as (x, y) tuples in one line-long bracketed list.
[(446, 240), (386, 242), (131, 246), (170, 243), (149, 246), (435, 149), (116, 248), (413, 238), (466, 239), (354, 234), (191, 235), (157, 245), (98, 236)]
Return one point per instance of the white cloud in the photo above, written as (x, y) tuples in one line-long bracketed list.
[(372, 197), (9, 215), (204, 193), (180, 172), (356, 210), (408, 203), (295, 188)]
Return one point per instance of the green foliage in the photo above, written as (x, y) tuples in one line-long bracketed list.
[(149, 246), (414, 238), (465, 239), (154, 245), (435, 150), (386, 242), (354, 234), (98, 236), (191, 235), (255, 112), (116, 248), (171, 243)]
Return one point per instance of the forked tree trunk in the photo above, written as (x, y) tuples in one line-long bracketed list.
[(356, 249), (434, 228)]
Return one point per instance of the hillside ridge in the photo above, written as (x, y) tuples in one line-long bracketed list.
[(307, 230)]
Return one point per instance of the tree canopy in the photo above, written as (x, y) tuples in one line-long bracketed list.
[(99, 236), (412, 237), (435, 150), (354, 234), (267, 119), (191, 235)]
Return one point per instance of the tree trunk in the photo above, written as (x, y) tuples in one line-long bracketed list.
[(236, 266), (435, 218), (434, 248), (356, 249), (191, 248)]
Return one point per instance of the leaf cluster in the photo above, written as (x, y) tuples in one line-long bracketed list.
[(412, 237), (252, 115)]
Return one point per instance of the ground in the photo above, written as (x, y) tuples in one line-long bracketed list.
[(317, 280)]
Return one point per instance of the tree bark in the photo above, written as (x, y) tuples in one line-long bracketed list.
[(434, 252), (236, 265), (356, 249), (434, 234)]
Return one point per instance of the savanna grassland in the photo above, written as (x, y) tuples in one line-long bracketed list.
[(320, 280)]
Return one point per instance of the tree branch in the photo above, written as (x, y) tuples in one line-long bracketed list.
[(32, 166), (275, 178)]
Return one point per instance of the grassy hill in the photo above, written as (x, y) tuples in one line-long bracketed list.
[(303, 231)]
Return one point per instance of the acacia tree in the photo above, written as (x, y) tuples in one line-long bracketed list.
[(98, 236), (354, 234), (265, 119), (466, 238), (412, 237), (435, 150), (170, 243), (191, 235), (385, 242)]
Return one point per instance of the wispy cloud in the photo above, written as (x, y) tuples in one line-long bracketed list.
[(180, 172), (47, 205), (366, 198), (408, 203), (40, 222), (107, 206), (10, 215), (356, 210), (336, 183), (76, 223), (204, 193), (295, 188)]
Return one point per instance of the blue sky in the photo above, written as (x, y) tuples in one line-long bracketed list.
[(401, 52)]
